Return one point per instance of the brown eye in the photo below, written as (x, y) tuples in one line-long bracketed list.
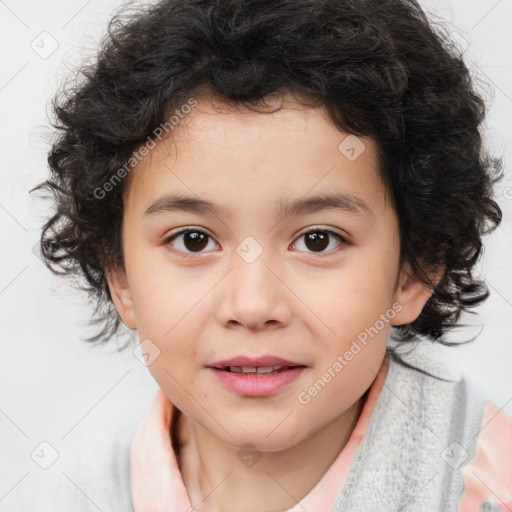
[(192, 240), (318, 240)]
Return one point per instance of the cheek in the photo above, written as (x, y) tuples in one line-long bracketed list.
[(350, 298), (345, 318), (162, 297), (170, 311)]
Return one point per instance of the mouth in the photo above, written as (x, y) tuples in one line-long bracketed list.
[(259, 364), (259, 371), (259, 376), (257, 381)]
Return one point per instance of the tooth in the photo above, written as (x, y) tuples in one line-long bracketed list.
[(259, 369), (265, 369)]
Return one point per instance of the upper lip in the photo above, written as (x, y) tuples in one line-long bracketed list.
[(254, 362)]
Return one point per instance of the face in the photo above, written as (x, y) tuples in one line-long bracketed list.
[(256, 276)]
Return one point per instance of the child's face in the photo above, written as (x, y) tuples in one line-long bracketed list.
[(306, 300)]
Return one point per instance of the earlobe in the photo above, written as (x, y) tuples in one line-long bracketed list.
[(121, 295), (412, 294)]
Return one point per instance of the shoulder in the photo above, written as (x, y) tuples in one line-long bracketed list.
[(477, 433), (488, 473), (94, 462), (96, 473)]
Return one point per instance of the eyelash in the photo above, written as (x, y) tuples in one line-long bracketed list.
[(169, 239)]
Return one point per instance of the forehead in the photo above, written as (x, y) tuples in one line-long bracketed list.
[(235, 157)]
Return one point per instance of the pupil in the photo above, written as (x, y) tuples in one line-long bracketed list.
[(194, 240), (317, 240)]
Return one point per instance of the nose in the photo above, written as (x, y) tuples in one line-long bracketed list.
[(254, 296)]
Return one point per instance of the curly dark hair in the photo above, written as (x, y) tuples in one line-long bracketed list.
[(380, 68)]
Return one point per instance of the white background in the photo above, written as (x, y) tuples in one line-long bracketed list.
[(54, 387)]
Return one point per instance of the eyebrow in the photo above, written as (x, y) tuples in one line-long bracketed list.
[(285, 208)]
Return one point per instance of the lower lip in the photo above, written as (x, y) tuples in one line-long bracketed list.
[(257, 385)]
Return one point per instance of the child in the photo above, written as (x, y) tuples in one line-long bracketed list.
[(325, 157)]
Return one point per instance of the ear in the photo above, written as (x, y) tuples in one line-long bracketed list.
[(412, 294), (121, 295)]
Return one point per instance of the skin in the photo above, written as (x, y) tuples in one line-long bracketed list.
[(292, 302)]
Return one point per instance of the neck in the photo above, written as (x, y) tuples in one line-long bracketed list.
[(217, 480)]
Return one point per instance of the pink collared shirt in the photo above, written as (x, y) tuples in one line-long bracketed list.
[(157, 484)]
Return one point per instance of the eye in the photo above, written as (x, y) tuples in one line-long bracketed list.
[(190, 239), (195, 240), (319, 239)]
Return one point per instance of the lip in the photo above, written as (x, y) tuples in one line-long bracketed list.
[(254, 362), (254, 385)]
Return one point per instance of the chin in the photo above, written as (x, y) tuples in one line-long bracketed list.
[(260, 440)]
